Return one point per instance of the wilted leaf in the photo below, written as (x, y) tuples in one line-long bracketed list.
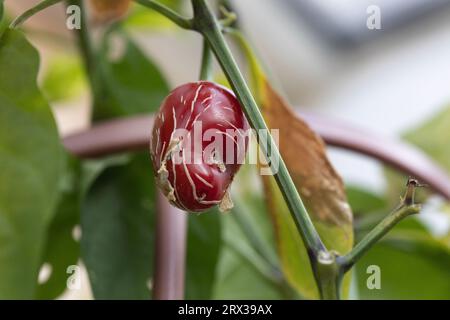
[(31, 164), (317, 182), (319, 185), (304, 152)]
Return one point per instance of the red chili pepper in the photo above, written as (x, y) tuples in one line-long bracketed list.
[(199, 141)]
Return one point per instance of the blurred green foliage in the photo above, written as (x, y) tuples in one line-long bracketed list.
[(31, 167), (433, 137), (140, 18), (46, 196), (117, 224), (132, 83), (249, 267), (414, 263), (62, 249), (64, 78), (204, 243)]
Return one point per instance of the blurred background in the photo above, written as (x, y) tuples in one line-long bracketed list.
[(387, 81), (325, 58)]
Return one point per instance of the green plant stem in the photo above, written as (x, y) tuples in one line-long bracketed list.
[(207, 24), (88, 54), (328, 267), (206, 70), (1, 10), (328, 276), (167, 12), (390, 221), (229, 17), (32, 11)]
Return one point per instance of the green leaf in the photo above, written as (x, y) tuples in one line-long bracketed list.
[(203, 248), (434, 137), (362, 201), (31, 164), (242, 274), (237, 279), (118, 233), (64, 78), (412, 265), (62, 250), (249, 268), (132, 83), (117, 225)]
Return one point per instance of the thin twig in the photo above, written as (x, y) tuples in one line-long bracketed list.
[(167, 12), (206, 70), (89, 55), (406, 208), (32, 11)]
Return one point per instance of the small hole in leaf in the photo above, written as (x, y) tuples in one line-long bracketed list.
[(76, 232), (150, 284), (44, 273)]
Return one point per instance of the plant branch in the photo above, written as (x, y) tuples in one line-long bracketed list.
[(32, 11), (206, 70), (328, 277), (406, 208), (167, 12), (207, 24), (88, 54), (229, 18), (1, 10)]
